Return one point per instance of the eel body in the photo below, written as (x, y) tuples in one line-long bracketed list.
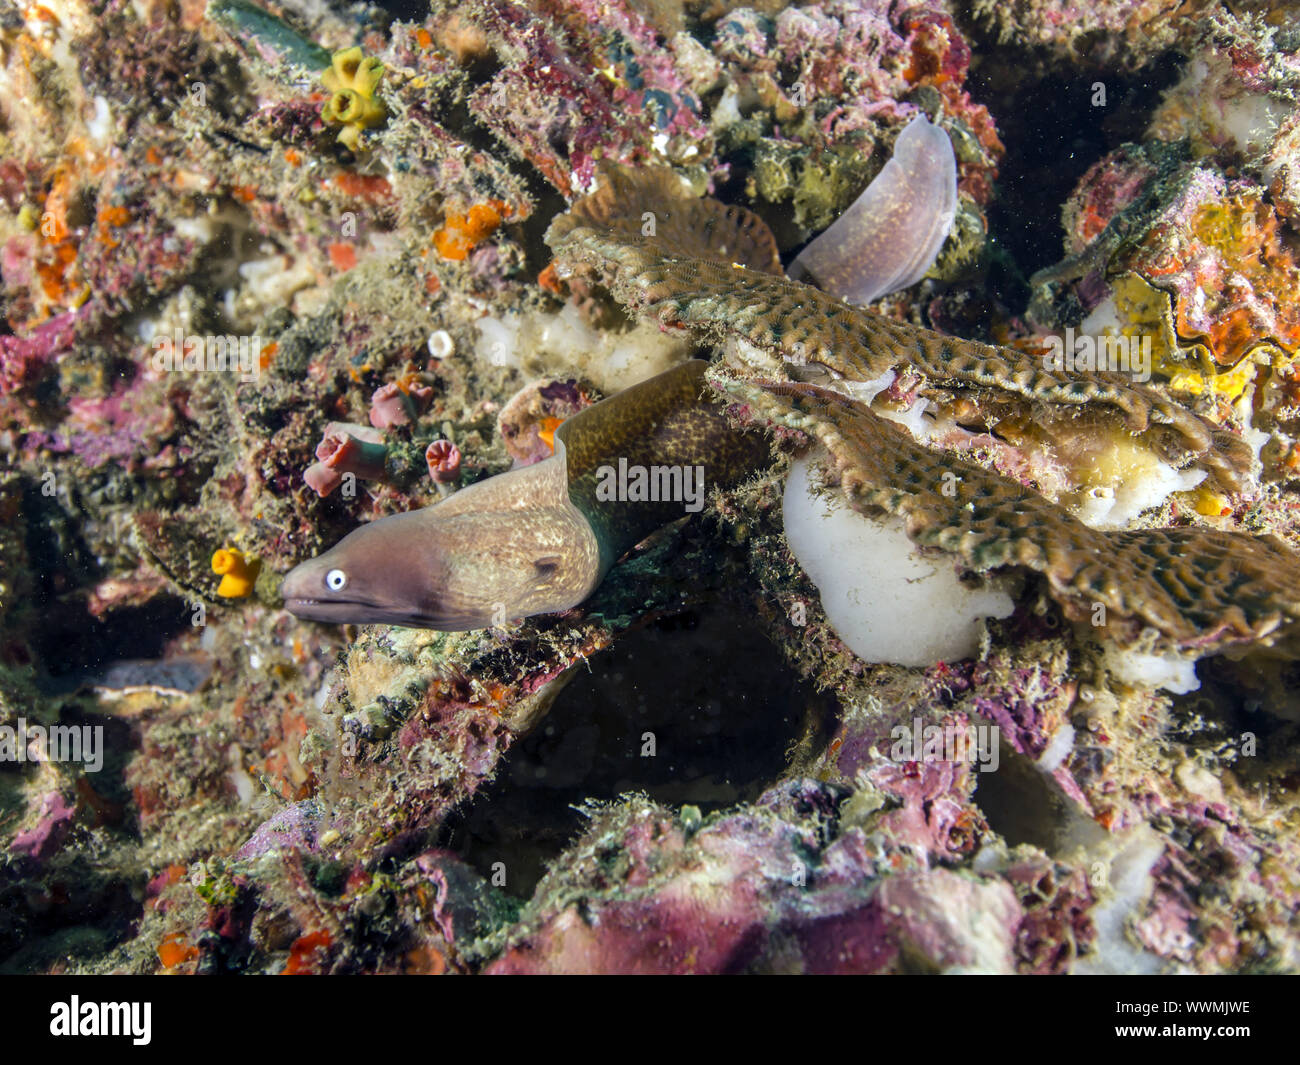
[(541, 538)]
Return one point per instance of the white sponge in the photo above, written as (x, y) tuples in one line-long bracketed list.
[(883, 600)]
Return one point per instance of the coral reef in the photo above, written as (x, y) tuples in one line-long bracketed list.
[(277, 278)]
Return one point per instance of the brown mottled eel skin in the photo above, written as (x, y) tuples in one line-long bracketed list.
[(534, 540)]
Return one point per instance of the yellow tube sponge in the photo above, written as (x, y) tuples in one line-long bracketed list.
[(237, 573), (352, 81)]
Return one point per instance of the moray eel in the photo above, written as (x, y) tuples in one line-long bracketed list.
[(537, 539)]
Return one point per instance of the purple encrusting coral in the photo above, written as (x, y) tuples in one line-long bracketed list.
[(24, 358), (561, 794), (778, 886)]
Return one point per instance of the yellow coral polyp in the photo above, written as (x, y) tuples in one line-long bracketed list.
[(1211, 504), (353, 79), (237, 573)]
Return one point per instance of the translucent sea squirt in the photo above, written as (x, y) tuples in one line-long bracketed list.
[(891, 234)]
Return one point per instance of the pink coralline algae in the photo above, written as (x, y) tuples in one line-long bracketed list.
[(1109, 186), (52, 828), (465, 906), (296, 827), (1181, 920), (24, 359), (929, 814), (122, 428), (1030, 707), (936, 817), (761, 890), (1056, 924), (547, 106)]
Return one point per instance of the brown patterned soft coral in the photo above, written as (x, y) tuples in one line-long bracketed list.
[(805, 327), (628, 204), (633, 205), (1201, 590)]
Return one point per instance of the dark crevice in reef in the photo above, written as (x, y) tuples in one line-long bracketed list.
[(724, 713), (71, 644), (405, 10), (533, 229), (76, 647), (1022, 804), (68, 642), (1245, 717), (45, 920), (1053, 133)]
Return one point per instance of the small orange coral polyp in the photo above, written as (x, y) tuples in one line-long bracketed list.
[(111, 218), (460, 233), (369, 187), (549, 279), (308, 954), (55, 268), (547, 431), (53, 274), (343, 256), (173, 950)]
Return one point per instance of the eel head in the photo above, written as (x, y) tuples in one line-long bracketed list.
[(491, 553)]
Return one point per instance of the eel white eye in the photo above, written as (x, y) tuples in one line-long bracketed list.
[(336, 580)]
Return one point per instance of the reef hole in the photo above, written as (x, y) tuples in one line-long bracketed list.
[(72, 646), (704, 690), (1053, 133), (1244, 719), (1022, 804)]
